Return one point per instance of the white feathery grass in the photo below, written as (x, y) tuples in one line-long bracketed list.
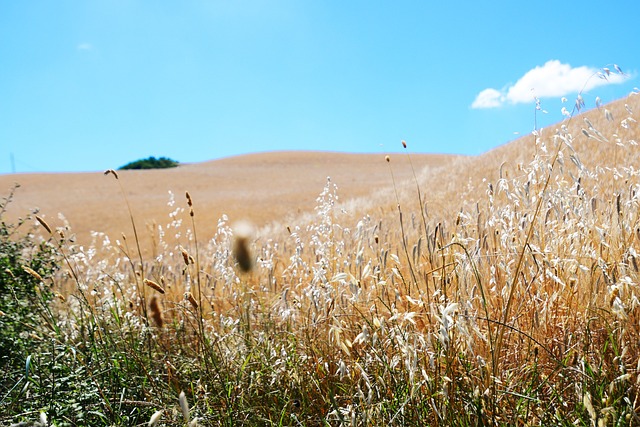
[(184, 406)]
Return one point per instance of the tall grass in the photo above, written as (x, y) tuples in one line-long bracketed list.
[(516, 304)]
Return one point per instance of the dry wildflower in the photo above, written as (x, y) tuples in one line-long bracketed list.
[(154, 285), (404, 144), (111, 171), (189, 296), (44, 224), (155, 418), (243, 231), (387, 158), (184, 405), (32, 272), (156, 311)]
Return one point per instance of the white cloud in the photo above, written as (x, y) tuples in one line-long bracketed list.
[(84, 46), (553, 79), (488, 98)]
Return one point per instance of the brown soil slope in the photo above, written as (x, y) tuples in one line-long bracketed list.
[(261, 188)]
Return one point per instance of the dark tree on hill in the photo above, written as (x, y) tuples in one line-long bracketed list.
[(151, 163)]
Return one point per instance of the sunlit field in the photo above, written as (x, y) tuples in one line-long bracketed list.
[(496, 290)]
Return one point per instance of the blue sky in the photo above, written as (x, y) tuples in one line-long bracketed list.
[(87, 86)]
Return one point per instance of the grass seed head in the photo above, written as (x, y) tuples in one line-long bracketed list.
[(185, 255), (155, 418), (112, 172), (44, 224), (156, 311), (243, 232), (190, 203), (32, 272), (184, 405), (154, 285), (189, 297)]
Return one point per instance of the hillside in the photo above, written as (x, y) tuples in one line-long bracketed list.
[(262, 188)]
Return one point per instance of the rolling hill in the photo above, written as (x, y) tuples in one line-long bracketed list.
[(277, 187)]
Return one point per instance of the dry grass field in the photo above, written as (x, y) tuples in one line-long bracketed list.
[(261, 188), (501, 289)]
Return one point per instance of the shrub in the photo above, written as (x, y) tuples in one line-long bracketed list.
[(151, 163)]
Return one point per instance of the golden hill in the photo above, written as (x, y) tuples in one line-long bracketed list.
[(261, 188)]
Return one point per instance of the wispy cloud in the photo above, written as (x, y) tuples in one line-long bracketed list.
[(84, 46), (553, 79)]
